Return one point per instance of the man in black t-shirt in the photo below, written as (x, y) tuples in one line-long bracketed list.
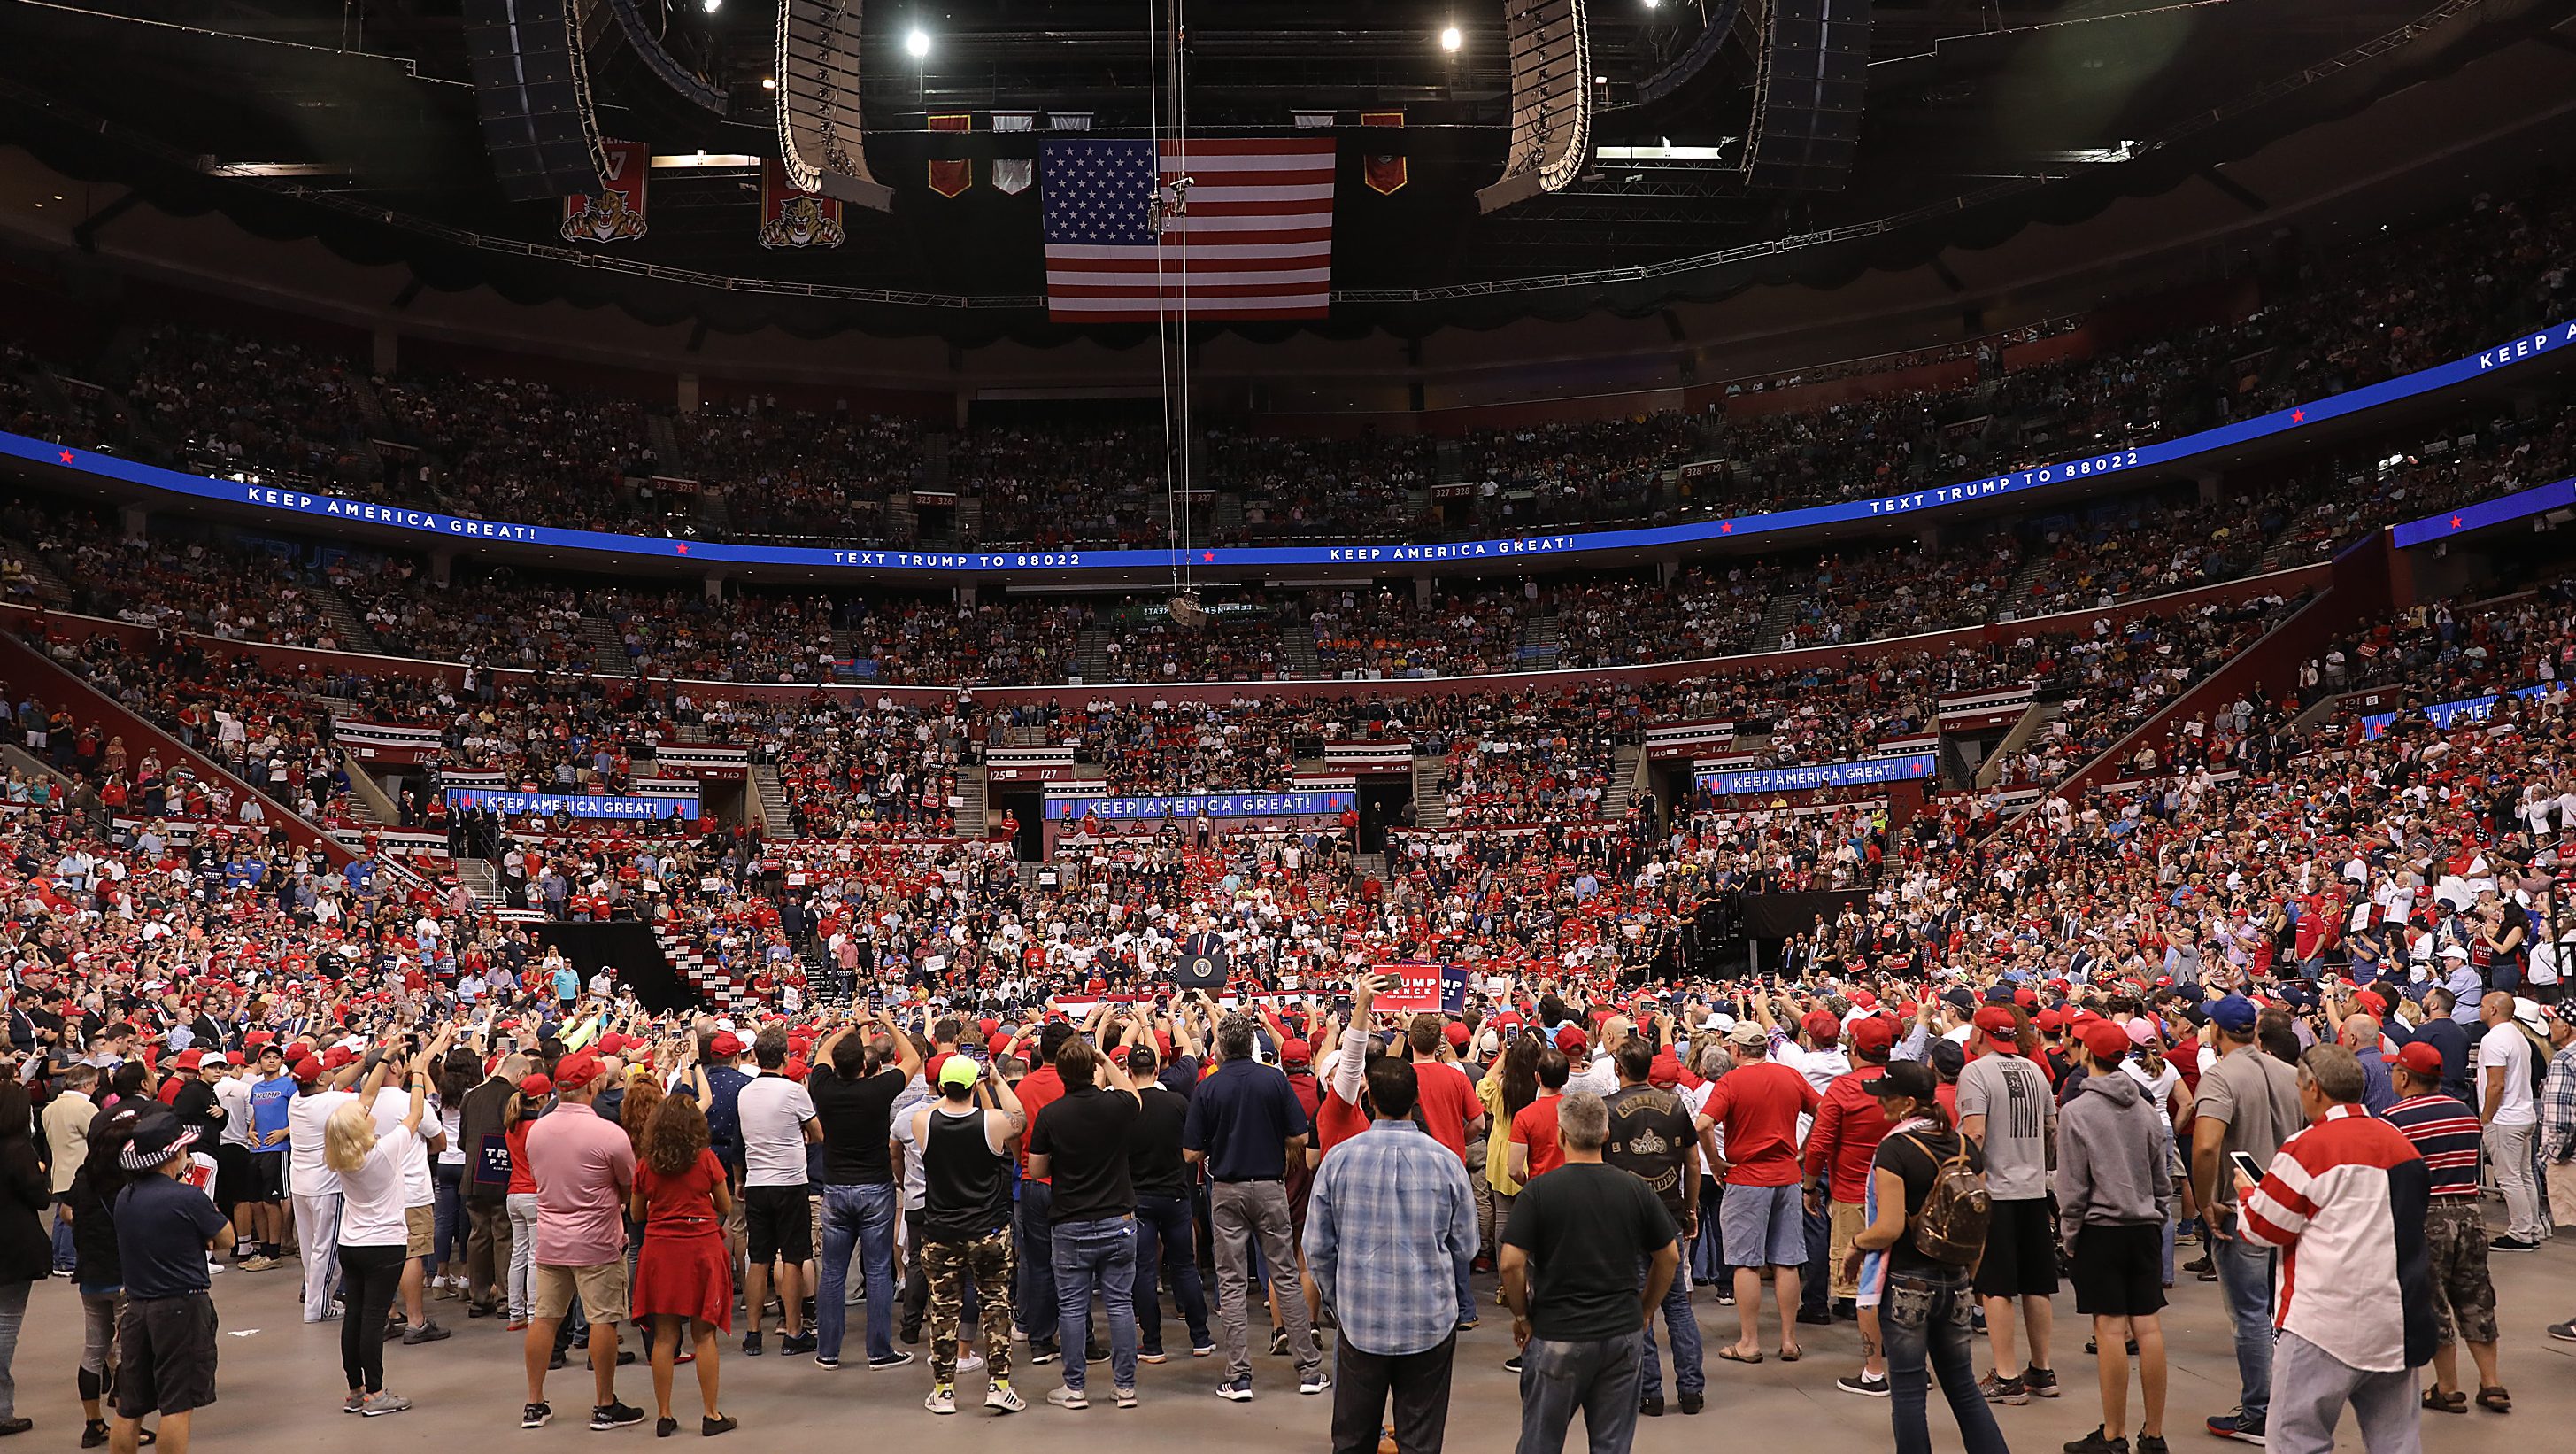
[(854, 1103), (1165, 1229), (1582, 1327), (165, 1332), (1655, 1138), (1079, 1142)]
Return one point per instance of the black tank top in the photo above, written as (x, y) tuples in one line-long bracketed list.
[(966, 1188)]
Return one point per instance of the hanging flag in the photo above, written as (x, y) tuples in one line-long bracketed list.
[(617, 213), (1244, 227), (1068, 121), (789, 218), (1014, 120), (949, 178), (1312, 120), (1012, 175), (1384, 170)]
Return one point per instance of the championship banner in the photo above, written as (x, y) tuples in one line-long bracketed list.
[(789, 218), (1012, 175), (579, 805), (1832, 775), (1438, 989), (617, 213), (1215, 805), (950, 178), (2444, 715), (1384, 171)]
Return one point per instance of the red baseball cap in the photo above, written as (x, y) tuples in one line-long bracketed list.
[(1570, 1039), (1457, 1033), (578, 1069), (1874, 1036), (2107, 1039), (1998, 1021), (2420, 1058), (1822, 1026), (1295, 1052), (725, 1043)]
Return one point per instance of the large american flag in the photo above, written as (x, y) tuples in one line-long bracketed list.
[(1257, 230)]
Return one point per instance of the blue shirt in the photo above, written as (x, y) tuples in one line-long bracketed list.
[(1390, 1230), (1241, 1119), (268, 1100)]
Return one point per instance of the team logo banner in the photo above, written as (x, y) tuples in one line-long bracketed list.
[(617, 213), (579, 805), (1914, 767), (789, 218), (1384, 170), (950, 177), (1214, 805)]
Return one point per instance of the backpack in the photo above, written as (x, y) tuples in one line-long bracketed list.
[(1951, 1228)]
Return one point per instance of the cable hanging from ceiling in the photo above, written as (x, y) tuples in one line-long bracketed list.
[(1167, 98)]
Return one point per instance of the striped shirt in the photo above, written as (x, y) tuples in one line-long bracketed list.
[(2446, 1134), (2345, 1201)]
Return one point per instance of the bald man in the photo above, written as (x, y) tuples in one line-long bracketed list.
[(2361, 1037)]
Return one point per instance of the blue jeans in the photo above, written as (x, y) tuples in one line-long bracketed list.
[(2245, 1274), (861, 1215), (1689, 1374), (447, 1245), (1815, 1284), (64, 1254), (1096, 1255), (1923, 1319), (1164, 1235), (1035, 1241), (1595, 1375)]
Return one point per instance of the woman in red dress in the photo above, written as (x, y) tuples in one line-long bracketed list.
[(682, 1275)]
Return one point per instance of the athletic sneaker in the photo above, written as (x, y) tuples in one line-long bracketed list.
[(2151, 1444), (1042, 1353), (1001, 1398), (1315, 1382), (248, 1264), (823, 1362), (1126, 1397), (751, 1344), (2003, 1390), (1279, 1342), (355, 1403), (942, 1400), (2563, 1332), (970, 1363), (895, 1359), (1156, 1355), (2238, 1426), (1863, 1384), (723, 1424), (2042, 1382), (536, 1416), (800, 1344), (1068, 1398), (2511, 1244), (425, 1333), (614, 1416), (2098, 1442), (384, 1402), (1236, 1390), (1202, 1350)]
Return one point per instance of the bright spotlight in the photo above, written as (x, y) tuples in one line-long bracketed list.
[(711, 6), (917, 44), (1450, 39)]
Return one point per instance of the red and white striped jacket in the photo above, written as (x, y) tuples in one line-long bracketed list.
[(2345, 1201)]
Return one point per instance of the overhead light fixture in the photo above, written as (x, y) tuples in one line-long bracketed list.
[(711, 6), (769, 83), (1450, 39), (917, 44)]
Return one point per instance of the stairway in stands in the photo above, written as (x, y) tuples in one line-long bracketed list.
[(1091, 656), (607, 652), (1626, 773), (1784, 612), (1538, 644), (971, 812), (346, 623), (2016, 594), (773, 799), (50, 586), (1297, 658), (1430, 798)]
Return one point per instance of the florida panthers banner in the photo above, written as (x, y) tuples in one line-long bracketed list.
[(578, 805), (1913, 767), (617, 213), (789, 218), (1384, 170), (950, 176)]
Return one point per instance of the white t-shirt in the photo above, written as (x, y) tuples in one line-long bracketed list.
[(372, 1197), (2504, 1046), (419, 1189), (233, 1094), (774, 1111), (307, 1174)]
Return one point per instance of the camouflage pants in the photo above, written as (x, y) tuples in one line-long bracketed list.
[(2464, 1300), (948, 1266)]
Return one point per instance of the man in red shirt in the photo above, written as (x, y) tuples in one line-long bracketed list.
[(1449, 1108), (1758, 1103), (1534, 1152), (1840, 1149)]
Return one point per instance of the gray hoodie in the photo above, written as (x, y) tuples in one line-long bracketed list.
[(2112, 1165)]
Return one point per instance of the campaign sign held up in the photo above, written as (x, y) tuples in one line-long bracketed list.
[(1436, 988)]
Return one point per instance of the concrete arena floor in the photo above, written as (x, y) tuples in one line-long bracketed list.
[(280, 1387)]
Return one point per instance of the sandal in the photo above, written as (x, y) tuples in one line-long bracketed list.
[(2454, 1402), (1791, 1355), (2492, 1396), (1731, 1356)]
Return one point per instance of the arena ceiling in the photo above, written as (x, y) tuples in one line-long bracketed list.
[(357, 124)]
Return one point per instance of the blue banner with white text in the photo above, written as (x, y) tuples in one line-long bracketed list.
[(2445, 715), (579, 805), (1912, 767), (1214, 805)]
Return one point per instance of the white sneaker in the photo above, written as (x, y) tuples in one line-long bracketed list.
[(1002, 1398), (970, 1363), (942, 1400), (1126, 1397), (1068, 1398)]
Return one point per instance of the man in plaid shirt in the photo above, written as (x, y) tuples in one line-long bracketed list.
[(1390, 1230), (2558, 1127)]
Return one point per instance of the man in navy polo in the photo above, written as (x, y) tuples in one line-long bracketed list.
[(1244, 1124)]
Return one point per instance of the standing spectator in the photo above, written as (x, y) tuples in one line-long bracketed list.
[(1166, 1232), (854, 1095), (1925, 1299), (2006, 1108), (965, 1225), (2558, 1129), (1757, 1105), (1244, 1124), (99, 1275), (529, 1098), (1390, 1230), (683, 1278), (1840, 1149), (2512, 1117), (1032, 1229), (2445, 1134), (2345, 1202), (66, 1126), (583, 1166), (1580, 1322), (777, 1124), (1532, 1140), (486, 1186), (26, 1253), (2248, 1102), (1079, 1142), (165, 1336), (320, 1093), (1655, 1138), (375, 1231), (2114, 1176)]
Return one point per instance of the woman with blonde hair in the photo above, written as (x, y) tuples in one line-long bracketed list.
[(374, 1231)]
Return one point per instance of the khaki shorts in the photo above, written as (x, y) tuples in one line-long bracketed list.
[(602, 1287), (420, 1231), (1847, 1222)]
